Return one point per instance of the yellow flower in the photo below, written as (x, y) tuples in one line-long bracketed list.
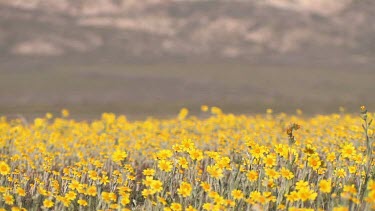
[(104, 180), (93, 175), (371, 197), (363, 108), (74, 185), (185, 189), (8, 199), (114, 206), (204, 108), (257, 151), (82, 202), (108, 197), (325, 186), (20, 191), (48, 203), (237, 194), (71, 195), (125, 200), (269, 197), (164, 154), (352, 169), (223, 162), (187, 144), (314, 162), (292, 196), (255, 196), (215, 172), (219, 200), (230, 203), (156, 186), (348, 151), (65, 113), (301, 185), (177, 148), (252, 175), (91, 191), (216, 110), (113, 196), (64, 200), (331, 156), (123, 190), (39, 123), (196, 154), (183, 113), (119, 155), (148, 172), (281, 150), (270, 160), (165, 165), (286, 173), (350, 189), (272, 174), (190, 208), (306, 194), (18, 209), (131, 177), (42, 191), (209, 206), (340, 173), (183, 162), (4, 168), (281, 207), (176, 207), (371, 185), (146, 192), (213, 194), (49, 115), (341, 208), (3, 189), (147, 182), (206, 187)]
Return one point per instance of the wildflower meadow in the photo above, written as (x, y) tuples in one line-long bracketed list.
[(212, 161)]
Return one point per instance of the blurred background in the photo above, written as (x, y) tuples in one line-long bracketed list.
[(152, 57)]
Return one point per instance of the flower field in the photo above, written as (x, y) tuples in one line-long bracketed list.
[(215, 162)]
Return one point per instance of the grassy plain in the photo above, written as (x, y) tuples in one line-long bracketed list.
[(139, 90)]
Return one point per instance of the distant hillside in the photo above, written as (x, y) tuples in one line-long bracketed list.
[(282, 31)]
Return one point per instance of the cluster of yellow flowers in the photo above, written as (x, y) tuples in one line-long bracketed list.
[(215, 161)]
